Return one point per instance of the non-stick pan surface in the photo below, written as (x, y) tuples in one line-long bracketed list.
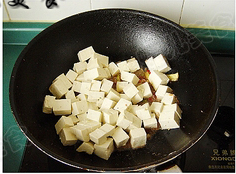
[(118, 34)]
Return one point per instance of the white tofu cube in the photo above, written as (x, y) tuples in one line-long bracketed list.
[(108, 72), (99, 102), (82, 117), (104, 150), (137, 123), (48, 104), (87, 147), (86, 54), (93, 63), (138, 97), (75, 119), (62, 123), (138, 138), (122, 105), (172, 107), (169, 99), (156, 107), (143, 112), (113, 68), (125, 119), (79, 107), (58, 88), (62, 107), (65, 80), (90, 125), (98, 136), (107, 104), (129, 77), (85, 88), (120, 137), (124, 96), (67, 137), (93, 96), (76, 86), (150, 123), (161, 90), (120, 85), (133, 108), (109, 129), (169, 120), (133, 65), (80, 67), (93, 106), (123, 66), (94, 115), (162, 63), (130, 90), (151, 64), (146, 90), (81, 78), (157, 78), (95, 74), (81, 132), (103, 60), (71, 75), (110, 116), (113, 95), (70, 95), (81, 97), (106, 85), (95, 85)]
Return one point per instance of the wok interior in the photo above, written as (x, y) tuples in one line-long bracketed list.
[(118, 34)]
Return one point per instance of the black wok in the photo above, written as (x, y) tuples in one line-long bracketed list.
[(118, 34)]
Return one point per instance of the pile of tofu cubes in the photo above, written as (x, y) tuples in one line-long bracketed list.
[(104, 118)]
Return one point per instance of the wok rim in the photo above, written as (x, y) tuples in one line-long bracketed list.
[(139, 167)]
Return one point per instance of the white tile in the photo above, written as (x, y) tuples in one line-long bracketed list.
[(166, 8), (4, 14), (39, 12), (217, 14)]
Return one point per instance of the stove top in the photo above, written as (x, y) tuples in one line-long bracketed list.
[(214, 152)]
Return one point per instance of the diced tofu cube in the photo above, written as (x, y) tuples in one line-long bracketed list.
[(87, 147), (95, 85), (104, 150), (122, 105), (107, 104), (169, 99), (58, 88), (109, 129), (146, 90), (75, 119), (123, 66), (143, 112), (95, 74), (138, 138), (79, 107), (76, 86), (133, 65), (93, 96), (157, 78), (169, 120), (108, 72), (48, 104), (162, 63), (82, 117), (106, 85), (161, 90), (62, 123), (173, 107), (67, 137), (133, 108), (92, 105), (98, 136), (103, 60), (85, 87), (65, 80), (99, 102), (81, 132), (70, 95), (151, 64), (80, 67), (110, 116), (86, 54), (129, 77), (138, 97), (137, 123), (81, 78), (62, 107), (114, 70), (90, 125), (124, 96), (120, 85), (113, 95), (81, 97), (150, 123), (71, 75), (93, 63), (125, 119), (130, 90), (120, 137), (94, 115), (156, 108)]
